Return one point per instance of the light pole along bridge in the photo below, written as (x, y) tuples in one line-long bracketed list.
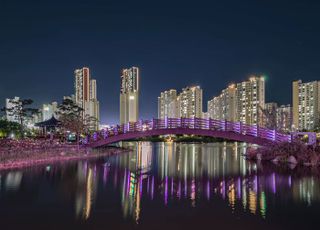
[(236, 131)]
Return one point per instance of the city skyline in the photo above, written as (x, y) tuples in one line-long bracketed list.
[(220, 44)]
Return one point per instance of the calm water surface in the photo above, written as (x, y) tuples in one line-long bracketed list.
[(161, 186)]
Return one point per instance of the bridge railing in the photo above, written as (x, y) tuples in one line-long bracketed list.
[(192, 123)]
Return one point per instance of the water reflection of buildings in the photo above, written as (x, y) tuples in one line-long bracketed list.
[(86, 189), (13, 180), (139, 163), (173, 173), (193, 172)]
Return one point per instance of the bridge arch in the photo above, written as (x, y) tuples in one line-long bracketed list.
[(196, 126)]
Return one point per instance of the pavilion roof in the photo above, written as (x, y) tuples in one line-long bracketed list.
[(52, 122)]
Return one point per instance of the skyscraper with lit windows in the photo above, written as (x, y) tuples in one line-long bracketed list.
[(250, 100), (129, 95), (305, 105), (241, 102), (49, 110), (86, 94), (168, 104), (223, 107), (190, 101)]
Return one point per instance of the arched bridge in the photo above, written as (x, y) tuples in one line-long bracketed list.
[(236, 131)]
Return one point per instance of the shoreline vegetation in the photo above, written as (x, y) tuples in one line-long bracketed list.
[(291, 154), (27, 152), (19, 154)]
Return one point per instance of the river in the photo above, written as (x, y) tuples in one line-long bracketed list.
[(161, 186)]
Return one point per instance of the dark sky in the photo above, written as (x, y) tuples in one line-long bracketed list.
[(175, 43)]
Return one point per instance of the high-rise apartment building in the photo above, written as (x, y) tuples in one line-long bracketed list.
[(49, 110), (129, 95), (223, 107), (305, 105), (168, 104), (190, 101), (250, 100), (214, 108), (240, 102), (284, 118), (12, 104), (86, 94)]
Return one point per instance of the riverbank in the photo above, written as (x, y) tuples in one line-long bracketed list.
[(295, 153), (27, 158)]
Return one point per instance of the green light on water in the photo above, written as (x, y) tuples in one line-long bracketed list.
[(263, 205)]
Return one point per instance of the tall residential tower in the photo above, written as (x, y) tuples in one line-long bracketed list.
[(86, 94), (250, 100), (191, 102), (168, 104), (129, 95), (240, 102), (305, 105)]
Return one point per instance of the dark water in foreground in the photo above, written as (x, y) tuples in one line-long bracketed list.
[(160, 186)]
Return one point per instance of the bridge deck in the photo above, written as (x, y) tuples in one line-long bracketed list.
[(189, 126)]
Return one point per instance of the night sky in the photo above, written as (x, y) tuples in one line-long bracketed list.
[(175, 44)]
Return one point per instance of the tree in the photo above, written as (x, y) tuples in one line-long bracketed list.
[(69, 114), (71, 118), (269, 117), (21, 111), (9, 127)]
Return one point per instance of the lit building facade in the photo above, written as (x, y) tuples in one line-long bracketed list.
[(129, 95), (223, 107), (250, 100), (190, 102), (305, 105), (240, 102), (86, 94), (214, 106), (168, 104), (11, 103), (49, 110), (284, 118)]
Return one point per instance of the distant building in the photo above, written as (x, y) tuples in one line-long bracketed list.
[(129, 95), (250, 100), (214, 108), (240, 102), (12, 104), (223, 107), (284, 118), (168, 104), (49, 110), (190, 100), (305, 105), (269, 115), (86, 94)]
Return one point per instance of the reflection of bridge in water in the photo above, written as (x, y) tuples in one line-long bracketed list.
[(196, 173), (236, 131), (157, 176)]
